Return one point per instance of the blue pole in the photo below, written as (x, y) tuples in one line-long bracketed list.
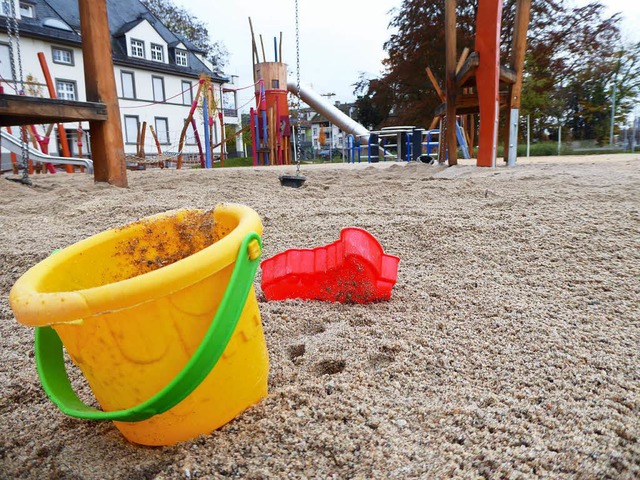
[(353, 150), (350, 156), (207, 143), (275, 47), (265, 135), (257, 127)]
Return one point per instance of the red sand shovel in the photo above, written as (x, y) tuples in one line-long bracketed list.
[(353, 269)]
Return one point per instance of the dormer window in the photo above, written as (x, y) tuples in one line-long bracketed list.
[(157, 52), (137, 48), (181, 58), (27, 10), (5, 9)]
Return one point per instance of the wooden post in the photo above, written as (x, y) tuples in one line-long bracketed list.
[(518, 50), (107, 145), (264, 55), (143, 134), (155, 139), (442, 142), (472, 135), (450, 47), (183, 134), (507, 125)]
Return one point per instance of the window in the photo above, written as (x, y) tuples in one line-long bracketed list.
[(162, 130), (191, 136), (157, 52), (131, 129), (182, 58), (158, 89), (66, 89), (27, 10), (55, 23), (229, 99), (5, 62), (62, 55), (137, 48), (187, 93), (128, 84), (275, 83)]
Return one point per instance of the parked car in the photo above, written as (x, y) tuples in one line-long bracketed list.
[(326, 154)]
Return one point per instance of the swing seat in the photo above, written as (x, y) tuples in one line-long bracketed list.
[(294, 181)]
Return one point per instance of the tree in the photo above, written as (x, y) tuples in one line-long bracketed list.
[(184, 23)]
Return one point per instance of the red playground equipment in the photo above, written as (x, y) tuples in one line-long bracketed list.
[(353, 269)]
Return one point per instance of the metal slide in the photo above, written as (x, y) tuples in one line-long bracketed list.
[(331, 112), (13, 144)]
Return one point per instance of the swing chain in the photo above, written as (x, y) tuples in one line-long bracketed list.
[(298, 121), (9, 11), (13, 35)]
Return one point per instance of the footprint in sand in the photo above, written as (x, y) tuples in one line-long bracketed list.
[(330, 367), (296, 351)]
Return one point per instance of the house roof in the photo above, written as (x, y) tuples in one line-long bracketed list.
[(123, 16)]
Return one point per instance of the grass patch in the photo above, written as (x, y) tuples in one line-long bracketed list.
[(238, 162)]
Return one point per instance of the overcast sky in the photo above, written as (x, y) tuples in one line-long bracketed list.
[(339, 39)]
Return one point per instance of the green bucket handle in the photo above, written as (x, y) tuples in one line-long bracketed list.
[(53, 374)]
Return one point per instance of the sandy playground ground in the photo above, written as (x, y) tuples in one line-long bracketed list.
[(510, 347)]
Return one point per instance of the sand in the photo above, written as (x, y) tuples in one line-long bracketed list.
[(509, 349)]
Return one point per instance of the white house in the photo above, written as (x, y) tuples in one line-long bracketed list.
[(334, 136), (157, 72)]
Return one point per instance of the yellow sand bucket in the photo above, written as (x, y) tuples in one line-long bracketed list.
[(133, 307)]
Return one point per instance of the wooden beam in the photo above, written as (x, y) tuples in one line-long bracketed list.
[(507, 75), (254, 47), (465, 75), (435, 83), (21, 110), (468, 69), (264, 55), (468, 103), (450, 52), (107, 146), (519, 48), (462, 59)]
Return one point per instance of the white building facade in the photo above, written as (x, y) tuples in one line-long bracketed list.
[(157, 74)]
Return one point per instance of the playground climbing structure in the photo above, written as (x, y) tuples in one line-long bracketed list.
[(478, 84)]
